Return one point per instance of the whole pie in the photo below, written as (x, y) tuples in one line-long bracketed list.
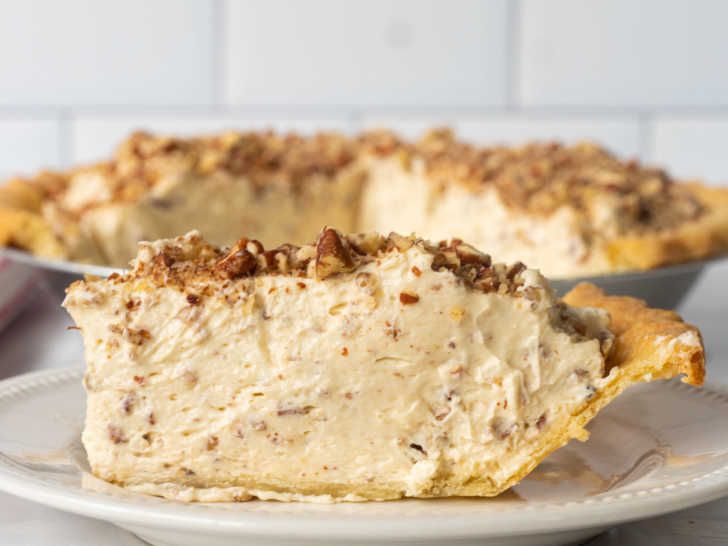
[(361, 367), (566, 210)]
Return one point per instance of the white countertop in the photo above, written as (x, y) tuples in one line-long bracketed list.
[(38, 339)]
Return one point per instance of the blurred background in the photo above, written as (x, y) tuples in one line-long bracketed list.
[(647, 79)]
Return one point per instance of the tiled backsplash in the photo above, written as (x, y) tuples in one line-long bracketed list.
[(647, 79)]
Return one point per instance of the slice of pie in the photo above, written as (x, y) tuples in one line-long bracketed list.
[(566, 210), (359, 367)]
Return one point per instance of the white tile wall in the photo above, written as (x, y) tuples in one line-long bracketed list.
[(693, 147), (27, 145), (623, 136), (647, 78), (642, 53), (373, 52), (93, 138), (77, 52)]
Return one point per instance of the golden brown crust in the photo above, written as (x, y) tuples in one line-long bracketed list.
[(646, 338), (703, 237), (21, 223)]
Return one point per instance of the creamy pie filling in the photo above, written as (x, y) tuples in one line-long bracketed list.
[(360, 375), (405, 200), (217, 205)]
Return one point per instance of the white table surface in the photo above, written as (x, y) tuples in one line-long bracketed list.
[(38, 339)]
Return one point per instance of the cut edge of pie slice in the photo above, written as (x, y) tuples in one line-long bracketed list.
[(649, 344), (361, 367)]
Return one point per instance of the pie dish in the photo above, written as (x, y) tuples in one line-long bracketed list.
[(361, 367), (569, 211)]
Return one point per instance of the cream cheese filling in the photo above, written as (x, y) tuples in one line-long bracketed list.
[(288, 387), (403, 199), (220, 206), (380, 194)]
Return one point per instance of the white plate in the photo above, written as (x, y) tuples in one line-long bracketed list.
[(658, 448)]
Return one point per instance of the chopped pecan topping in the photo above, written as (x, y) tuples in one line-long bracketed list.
[(332, 254), (238, 262), (366, 243), (335, 253), (514, 270)]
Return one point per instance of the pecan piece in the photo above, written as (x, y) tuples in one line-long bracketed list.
[(238, 263), (514, 270), (366, 243), (332, 254), (471, 255), (400, 242)]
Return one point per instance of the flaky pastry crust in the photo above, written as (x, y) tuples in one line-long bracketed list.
[(702, 238), (22, 224)]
